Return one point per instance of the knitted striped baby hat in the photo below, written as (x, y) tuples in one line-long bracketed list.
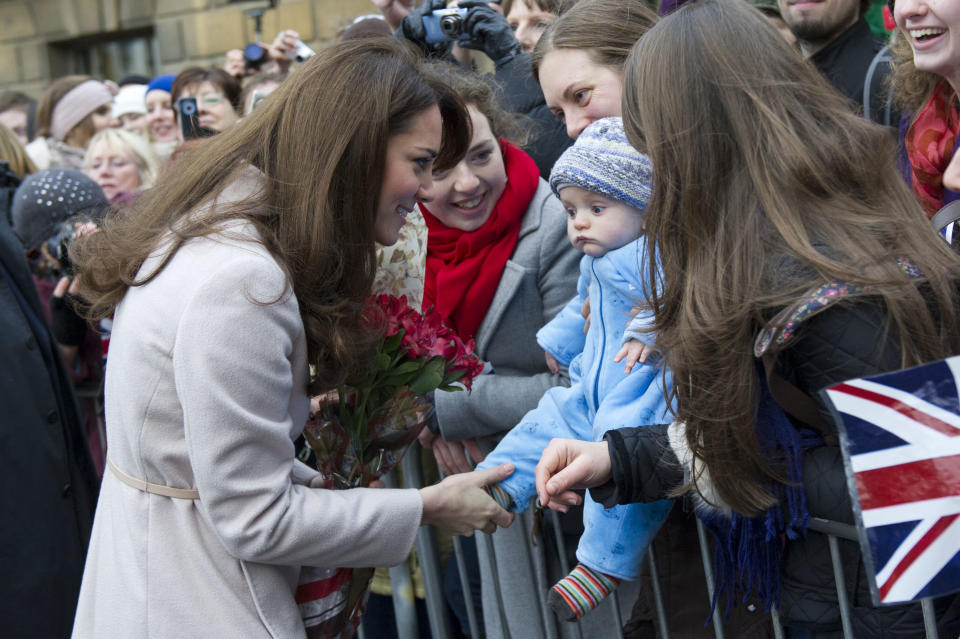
[(602, 161)]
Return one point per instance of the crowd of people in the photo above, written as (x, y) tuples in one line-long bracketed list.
[(628, 208)]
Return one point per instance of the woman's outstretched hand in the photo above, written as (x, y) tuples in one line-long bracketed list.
[(567, 465), (458, 505)]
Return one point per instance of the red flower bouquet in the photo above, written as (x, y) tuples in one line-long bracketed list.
[(364, 431)]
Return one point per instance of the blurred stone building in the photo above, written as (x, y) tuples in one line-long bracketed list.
[(44, 39)]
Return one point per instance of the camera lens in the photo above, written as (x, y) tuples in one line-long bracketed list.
[(254, 54), (451, 26)]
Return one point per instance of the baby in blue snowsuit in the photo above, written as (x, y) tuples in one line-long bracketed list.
[(604, 185)]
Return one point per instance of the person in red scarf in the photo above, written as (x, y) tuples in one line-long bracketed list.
[(927, 81), (498, 268)]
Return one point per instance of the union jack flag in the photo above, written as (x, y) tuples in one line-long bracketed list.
[(900, 434)]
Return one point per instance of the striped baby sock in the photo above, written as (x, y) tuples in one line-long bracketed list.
[(580, 592), (499, 495)]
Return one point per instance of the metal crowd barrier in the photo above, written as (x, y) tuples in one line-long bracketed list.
[(405, 605)]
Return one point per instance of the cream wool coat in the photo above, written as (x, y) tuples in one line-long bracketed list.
[(206, 389)]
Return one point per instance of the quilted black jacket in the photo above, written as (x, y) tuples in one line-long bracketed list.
[(842, 342)]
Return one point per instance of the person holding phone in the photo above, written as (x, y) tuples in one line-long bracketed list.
[(215, 100)]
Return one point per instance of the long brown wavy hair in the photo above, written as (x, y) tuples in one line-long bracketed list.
[(320, 143), (765, 186)]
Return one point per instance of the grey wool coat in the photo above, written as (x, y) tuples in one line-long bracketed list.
[(538, 280), (206, 389)]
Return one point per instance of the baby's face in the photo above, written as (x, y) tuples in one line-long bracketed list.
[(597, 224)]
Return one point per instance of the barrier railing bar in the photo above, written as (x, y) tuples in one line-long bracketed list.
[(841, 587), (658, 595), (617, 618), (835, 528), (428, 556), (547, 617), (465, 587), (404, 607), (558, 537), (401, 587), (492, 565), (432, 583), (929, 620), (777, 626), (561, 551), (708, 573)]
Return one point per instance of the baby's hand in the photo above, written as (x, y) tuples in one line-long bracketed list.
[(634, 351), (552, 364)]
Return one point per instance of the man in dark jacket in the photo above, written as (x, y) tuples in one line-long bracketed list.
[(834, 35), (49, 486)]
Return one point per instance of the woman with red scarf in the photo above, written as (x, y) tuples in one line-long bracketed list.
[(927, 80), (498, 268)]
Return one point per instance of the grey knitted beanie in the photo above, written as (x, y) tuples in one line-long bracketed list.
[(602, 161), (47, 198)]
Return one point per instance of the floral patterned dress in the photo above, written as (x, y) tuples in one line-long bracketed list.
[(401, 267)]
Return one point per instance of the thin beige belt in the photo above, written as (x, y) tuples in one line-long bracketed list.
[(155, 489)]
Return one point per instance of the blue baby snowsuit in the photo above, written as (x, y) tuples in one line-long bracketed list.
[(601, 397)]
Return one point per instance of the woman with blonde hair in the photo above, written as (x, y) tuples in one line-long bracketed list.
[(762, 168), (13, 153), (231, 282), (122, 163)]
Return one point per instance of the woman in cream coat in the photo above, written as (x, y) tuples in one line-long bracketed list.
[(252, 265)]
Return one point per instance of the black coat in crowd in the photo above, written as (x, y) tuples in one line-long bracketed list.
[(518, 92), (845, 62), (48, 485)]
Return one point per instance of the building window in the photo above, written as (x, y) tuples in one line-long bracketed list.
[(108, 56)]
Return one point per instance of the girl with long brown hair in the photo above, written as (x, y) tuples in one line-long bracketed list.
[(228, 281), (766, 188)]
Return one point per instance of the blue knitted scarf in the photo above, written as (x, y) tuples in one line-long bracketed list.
[(746, 559)]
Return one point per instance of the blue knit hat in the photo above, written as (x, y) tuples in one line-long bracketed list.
[(602, 161), (162, 82)]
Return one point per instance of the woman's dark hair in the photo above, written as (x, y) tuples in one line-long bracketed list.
[(472, 90), (605, 29), (766, 186), (320, 147), (226, 83)]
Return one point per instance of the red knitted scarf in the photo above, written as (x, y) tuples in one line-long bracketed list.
[(464, 267)]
